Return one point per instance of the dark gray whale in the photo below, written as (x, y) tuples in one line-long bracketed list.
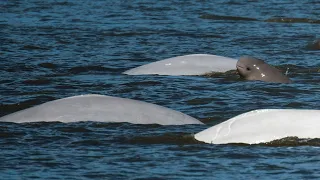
[(251, 68)]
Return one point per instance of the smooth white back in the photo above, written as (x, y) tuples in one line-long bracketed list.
[(264, 125), (100, 108), (194, 64)]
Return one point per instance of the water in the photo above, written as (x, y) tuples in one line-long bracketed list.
[(55, 49)]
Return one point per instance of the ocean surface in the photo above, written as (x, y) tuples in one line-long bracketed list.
[(54, 49)]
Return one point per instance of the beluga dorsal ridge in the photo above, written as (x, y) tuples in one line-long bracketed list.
[(100, 108), (192, 64)]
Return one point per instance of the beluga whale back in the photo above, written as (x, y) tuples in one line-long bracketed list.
[(193, 64), (264, 125), (93, 107), (258, 126)]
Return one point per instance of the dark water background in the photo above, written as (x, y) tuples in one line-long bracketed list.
[(55, 49)]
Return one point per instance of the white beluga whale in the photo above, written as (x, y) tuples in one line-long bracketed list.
[(264, 125), (258, 126), (193, 64), (93, 107)]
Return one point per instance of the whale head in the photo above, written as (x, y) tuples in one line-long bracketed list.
[(251, 68)]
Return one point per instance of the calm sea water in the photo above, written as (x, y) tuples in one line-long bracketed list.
[(54, 49)]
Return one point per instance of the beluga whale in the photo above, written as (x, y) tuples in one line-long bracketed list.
[(251, 68), (264, 125), (254, 127), (192, 64), (101, 108)]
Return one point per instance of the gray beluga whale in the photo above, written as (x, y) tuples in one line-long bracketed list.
[(251, 68), (193, 64), (93, 107), (264, 125)]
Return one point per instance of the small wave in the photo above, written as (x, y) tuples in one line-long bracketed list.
[(10, 108), (63, 3), (167, 138), (20, 67), (83, 69), (74, 129), (34, 47), (293, 141), (181, 33), (64, 86), (11, 134), (114, 33), (87, 143), (48, 65), (292, 20), (274, 19), (37, 82), (229, 18), (145, 83), (295, 104), (285, 142)]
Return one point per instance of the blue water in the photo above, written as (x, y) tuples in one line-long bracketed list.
[(55, 49)]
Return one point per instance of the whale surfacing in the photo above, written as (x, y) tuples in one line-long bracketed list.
[(193, 64), (93, 107), (251, 68), (264, 125)]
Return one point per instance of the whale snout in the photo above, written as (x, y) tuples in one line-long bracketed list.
[(241, 63), (241, 67)]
